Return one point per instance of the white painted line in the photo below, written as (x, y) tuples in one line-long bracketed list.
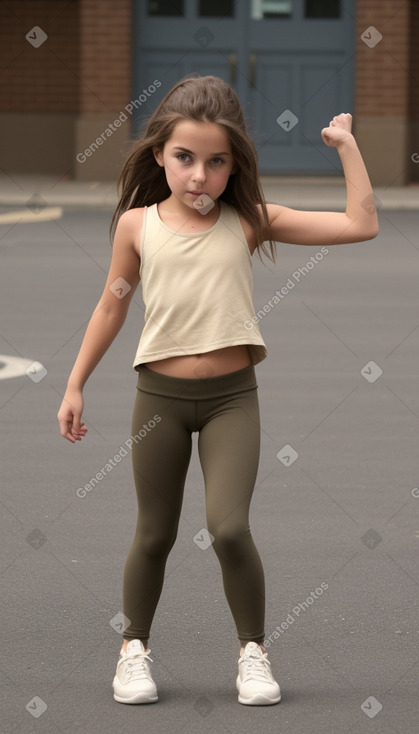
[(25, 215), (13, 366)]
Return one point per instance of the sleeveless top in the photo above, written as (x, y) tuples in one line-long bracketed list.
[(197, 289)]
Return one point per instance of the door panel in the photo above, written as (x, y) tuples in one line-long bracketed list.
[(320, 87), (168, 69), (273, 88), (295, 55), (304, 65)]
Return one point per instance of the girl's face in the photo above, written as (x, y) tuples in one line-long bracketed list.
[(197, 159)]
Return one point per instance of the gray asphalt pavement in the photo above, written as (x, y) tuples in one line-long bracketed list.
[(334, 515)]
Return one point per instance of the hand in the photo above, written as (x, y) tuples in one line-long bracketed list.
[(69, 416), (338, 131)]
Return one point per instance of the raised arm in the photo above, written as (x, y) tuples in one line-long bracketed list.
[(359, 222), (105, 323)]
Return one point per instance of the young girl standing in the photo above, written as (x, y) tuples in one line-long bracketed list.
[(190, 217)]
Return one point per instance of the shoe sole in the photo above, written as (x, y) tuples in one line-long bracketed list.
[(259, 701), (139, 698)]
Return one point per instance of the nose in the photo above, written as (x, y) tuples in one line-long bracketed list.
[(199, 174)]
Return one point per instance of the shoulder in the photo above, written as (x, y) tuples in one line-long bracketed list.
[(131, 218), (129, 228)]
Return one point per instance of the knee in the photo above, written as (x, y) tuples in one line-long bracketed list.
[(156, 544), (230, 540)]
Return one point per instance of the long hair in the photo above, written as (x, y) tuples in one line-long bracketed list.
[(142, 181)]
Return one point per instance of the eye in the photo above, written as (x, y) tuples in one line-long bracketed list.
[(182, 156), (217, 161)]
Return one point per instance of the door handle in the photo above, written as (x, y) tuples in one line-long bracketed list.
[(232, 60), (252, 69)]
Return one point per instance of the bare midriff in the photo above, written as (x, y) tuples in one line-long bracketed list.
[(199, 366)]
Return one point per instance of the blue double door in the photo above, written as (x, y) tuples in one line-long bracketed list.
[(291, 63)]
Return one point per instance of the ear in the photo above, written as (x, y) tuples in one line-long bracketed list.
[(158, 154)]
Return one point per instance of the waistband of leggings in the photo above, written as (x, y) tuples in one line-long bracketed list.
[(196, 388)]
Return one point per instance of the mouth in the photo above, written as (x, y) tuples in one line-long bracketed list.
[(196, 193)]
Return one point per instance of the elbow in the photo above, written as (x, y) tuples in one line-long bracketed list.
[(374, 227), (364, 227), (369, 230), (372, 232), (114, 311)]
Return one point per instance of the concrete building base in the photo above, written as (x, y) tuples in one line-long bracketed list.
[(383, 142)]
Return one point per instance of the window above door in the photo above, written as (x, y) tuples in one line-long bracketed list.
[(259, 9), (165, 7)]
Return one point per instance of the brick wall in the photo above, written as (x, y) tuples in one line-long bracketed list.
[(44, 79), (83, 67), (382, 72), (414, 62), (56, 98), (414, 92), (105, 55)]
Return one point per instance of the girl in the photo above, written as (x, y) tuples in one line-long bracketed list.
[(190, 216)]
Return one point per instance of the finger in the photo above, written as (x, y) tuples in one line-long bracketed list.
[(346, 118), (79, 434), (65, 430), (69, 430), (76, 422)]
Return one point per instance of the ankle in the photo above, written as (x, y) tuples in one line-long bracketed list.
[(125, 644)]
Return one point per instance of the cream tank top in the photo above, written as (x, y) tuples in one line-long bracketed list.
[(197, 289)]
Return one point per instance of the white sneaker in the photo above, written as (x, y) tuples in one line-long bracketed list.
[(133, 682), (255, 682)]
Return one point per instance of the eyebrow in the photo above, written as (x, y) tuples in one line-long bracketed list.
[(185, 150)]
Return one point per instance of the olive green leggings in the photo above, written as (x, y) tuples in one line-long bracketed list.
[(225, 412)]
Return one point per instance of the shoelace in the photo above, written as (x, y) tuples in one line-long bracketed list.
[(137, 667), (256, 668)]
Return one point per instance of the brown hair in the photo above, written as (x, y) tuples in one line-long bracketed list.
[(142, 181)]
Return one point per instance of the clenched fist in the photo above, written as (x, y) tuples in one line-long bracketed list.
[(338, 131)]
